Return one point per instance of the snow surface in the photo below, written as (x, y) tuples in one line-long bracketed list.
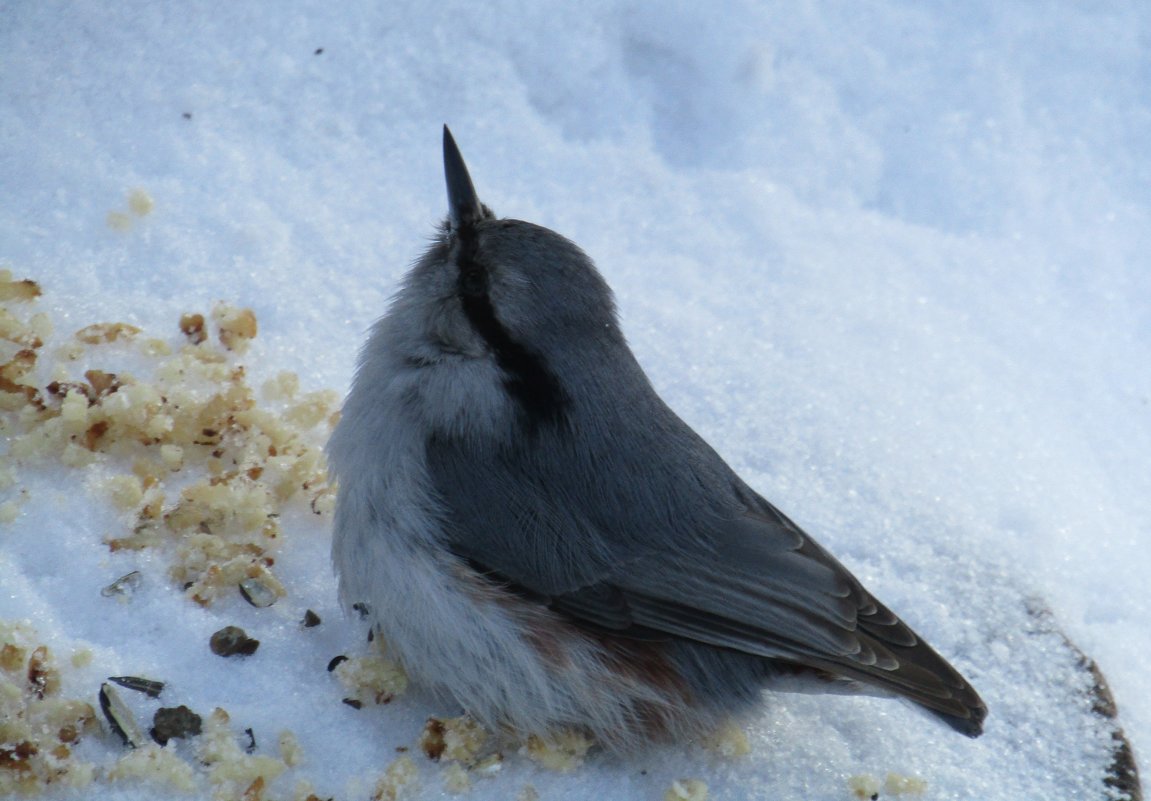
[(890, 259)]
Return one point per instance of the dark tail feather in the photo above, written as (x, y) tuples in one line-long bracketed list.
[(921, 676)]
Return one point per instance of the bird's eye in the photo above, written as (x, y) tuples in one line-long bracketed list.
[(472, 281)]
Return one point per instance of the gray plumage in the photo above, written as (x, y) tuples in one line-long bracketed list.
[(540, 537)]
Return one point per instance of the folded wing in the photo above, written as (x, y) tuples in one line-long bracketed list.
[(696, 555)]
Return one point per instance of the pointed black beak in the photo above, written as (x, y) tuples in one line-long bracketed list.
[(463, 205)]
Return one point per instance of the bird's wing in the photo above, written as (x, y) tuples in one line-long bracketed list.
[(798, 605), (642, 549)]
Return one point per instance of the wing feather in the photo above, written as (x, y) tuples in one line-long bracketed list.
[(623, 541)]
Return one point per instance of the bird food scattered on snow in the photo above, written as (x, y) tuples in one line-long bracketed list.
[(149, 687), (260, 592), (123, 586), (233, 641), (120, 717), (179, 721)]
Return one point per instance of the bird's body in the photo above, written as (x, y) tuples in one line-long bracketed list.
[(539, 536)]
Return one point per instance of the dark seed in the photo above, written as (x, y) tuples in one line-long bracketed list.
[(251, 746), (150, 688), (361, 609), (170, 722), (311, 619), (233, 641), (354, 703), (335, 663)]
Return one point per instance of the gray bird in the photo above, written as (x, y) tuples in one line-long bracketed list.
[(538, 536)]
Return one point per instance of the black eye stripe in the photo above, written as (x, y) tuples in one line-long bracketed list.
[(473, 280), (527, 377)]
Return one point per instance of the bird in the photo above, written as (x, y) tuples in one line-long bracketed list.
[(540, 539)]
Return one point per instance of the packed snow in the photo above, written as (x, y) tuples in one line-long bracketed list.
[(891, 260)]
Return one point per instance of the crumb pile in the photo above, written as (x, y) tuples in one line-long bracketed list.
[(38, 727), (220, 517), (201, 466)]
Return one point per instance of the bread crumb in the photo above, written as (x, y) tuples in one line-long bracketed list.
[(561, 751), (686, 790), (453, 739), (864, 787), (155, 765), (118, 221), (398, 780), (43, 677), (12, 657), (14, 372), (140, 203), (22, 290), (729, 741), (18, 332), (489, 766), (155, 347), (126, 492), (304, 791), (237, 326), (312, 409), (372, 679), (74, 412), (192, 326), (99, 333), (284, 386), (896, 784), (76, 455), (9, 512), (231, 771), (172, 456), (253, 792), (456, 779), (290, 750)]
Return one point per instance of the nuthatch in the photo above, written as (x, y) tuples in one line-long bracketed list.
[(538, 535)]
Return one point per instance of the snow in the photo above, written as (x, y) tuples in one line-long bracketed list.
[(890, 259)]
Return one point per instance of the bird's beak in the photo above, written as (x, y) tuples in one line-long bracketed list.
[(464, 206)]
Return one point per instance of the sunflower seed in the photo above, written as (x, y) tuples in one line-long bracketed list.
[(149, 687), (119, 717), (258, 593)]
